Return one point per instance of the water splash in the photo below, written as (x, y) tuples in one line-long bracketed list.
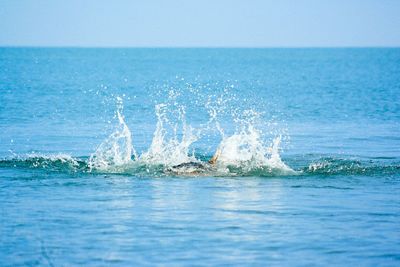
[(116, 150), (171, 150), (246, 152), (242, 153)]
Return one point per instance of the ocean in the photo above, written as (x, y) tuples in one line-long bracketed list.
[(104, 156)]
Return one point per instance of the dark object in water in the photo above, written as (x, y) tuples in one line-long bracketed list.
[(195, 167), (189, 168)]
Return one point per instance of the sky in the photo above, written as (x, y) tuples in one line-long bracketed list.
[(200, 23)]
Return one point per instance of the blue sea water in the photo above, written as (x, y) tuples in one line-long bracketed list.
[(309, 172)]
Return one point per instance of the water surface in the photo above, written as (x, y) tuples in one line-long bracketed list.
[(309, 172)]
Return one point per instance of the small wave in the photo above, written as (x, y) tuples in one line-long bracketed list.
[(325, 166), (336, 166), (58, 163)]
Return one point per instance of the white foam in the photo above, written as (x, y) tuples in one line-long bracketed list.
[(246, 150)]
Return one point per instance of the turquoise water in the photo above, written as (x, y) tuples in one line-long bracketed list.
[(308, 171)]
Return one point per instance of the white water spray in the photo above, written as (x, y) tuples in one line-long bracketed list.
[(169, 151), (116, 150), (244, 150)]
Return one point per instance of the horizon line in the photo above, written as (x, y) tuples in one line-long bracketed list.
[(195, 47)]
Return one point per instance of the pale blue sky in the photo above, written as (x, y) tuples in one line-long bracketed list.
[(226, 23)]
